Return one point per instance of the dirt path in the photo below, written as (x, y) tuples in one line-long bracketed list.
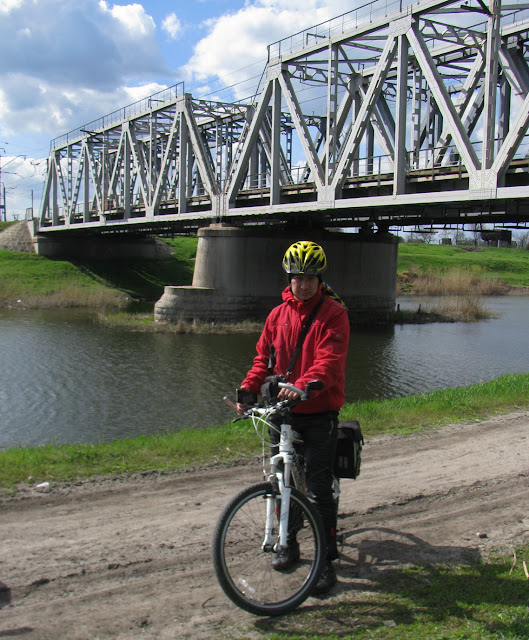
[(130, 559)]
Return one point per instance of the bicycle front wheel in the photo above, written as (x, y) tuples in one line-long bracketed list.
[(244, 569)]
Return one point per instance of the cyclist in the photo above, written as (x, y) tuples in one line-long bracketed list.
[(322, 357)]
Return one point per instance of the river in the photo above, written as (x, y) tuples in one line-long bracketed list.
[(68, 379)]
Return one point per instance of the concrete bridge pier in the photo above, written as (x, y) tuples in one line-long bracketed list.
[(238, 275)]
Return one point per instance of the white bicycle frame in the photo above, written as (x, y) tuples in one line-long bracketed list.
[(284, 455)]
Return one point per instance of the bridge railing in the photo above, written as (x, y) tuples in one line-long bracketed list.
[(515, 15), (364, 14), (141, 106)]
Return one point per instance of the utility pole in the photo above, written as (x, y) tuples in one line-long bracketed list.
[(2, 205)]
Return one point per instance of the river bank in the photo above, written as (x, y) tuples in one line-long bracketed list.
[(230, 443), (32, 281)]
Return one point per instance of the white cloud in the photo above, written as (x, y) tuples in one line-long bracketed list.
[(71, 62), (172, 26), (238, 41), (43, 107), (8, 5), (138, 93), (132, 17)]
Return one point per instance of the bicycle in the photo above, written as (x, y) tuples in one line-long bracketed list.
[(255, 524)]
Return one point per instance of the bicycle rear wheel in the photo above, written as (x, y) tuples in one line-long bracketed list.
[(244, 569)]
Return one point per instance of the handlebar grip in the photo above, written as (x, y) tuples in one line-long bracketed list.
[(291, 387)]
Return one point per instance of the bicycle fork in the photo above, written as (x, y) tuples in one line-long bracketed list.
[(280, 480)]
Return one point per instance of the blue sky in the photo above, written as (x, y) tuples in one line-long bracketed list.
[(67, 62)]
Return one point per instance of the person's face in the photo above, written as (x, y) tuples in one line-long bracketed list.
[(304, 287)]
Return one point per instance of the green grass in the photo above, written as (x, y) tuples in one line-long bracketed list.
[(26, 277), (39, 281), (183, 449), (412, 413), (235, 441), (5, 225), (511, 266), (478, 600)]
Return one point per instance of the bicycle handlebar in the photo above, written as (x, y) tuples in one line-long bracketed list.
[(280, 406)]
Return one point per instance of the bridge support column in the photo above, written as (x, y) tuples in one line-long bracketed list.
[(238, 275)]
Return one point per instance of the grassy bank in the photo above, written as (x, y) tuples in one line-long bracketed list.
[(231, 442), (428, 269), (30, 280), (422, 269), (144, 322)]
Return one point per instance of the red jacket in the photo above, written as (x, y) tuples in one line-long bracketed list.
[(322, 357)]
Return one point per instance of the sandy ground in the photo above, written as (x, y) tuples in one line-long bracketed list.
[(130, 558)]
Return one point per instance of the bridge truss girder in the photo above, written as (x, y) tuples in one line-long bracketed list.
[(423, 110)]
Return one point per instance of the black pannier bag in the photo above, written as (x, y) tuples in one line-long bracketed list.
[(348, 450)]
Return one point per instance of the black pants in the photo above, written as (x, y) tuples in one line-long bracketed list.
[(319, 432)]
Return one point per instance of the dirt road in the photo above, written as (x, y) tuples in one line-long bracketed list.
[(130, 558)]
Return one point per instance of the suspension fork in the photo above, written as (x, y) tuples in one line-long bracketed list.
[(280, 480)]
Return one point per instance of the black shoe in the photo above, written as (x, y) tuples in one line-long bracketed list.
[(286, 558), (327, 580)]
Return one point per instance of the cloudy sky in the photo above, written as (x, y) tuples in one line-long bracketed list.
[(67, 62)]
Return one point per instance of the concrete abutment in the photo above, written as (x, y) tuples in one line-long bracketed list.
[(238, 275)]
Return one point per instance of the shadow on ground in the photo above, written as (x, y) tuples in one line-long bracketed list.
[(389, 578)]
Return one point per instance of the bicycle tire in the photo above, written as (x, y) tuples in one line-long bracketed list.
[(244, 570)]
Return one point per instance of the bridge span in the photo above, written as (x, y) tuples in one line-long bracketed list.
[(394, 114)]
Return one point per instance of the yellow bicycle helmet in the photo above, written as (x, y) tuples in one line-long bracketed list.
[(305, 258)]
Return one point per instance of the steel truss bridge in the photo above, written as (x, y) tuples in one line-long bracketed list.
[(393, 114)]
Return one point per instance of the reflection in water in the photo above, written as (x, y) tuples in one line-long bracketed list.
[(67, 379)]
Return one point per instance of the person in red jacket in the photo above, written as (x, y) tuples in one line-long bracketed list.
[(322, 357)]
